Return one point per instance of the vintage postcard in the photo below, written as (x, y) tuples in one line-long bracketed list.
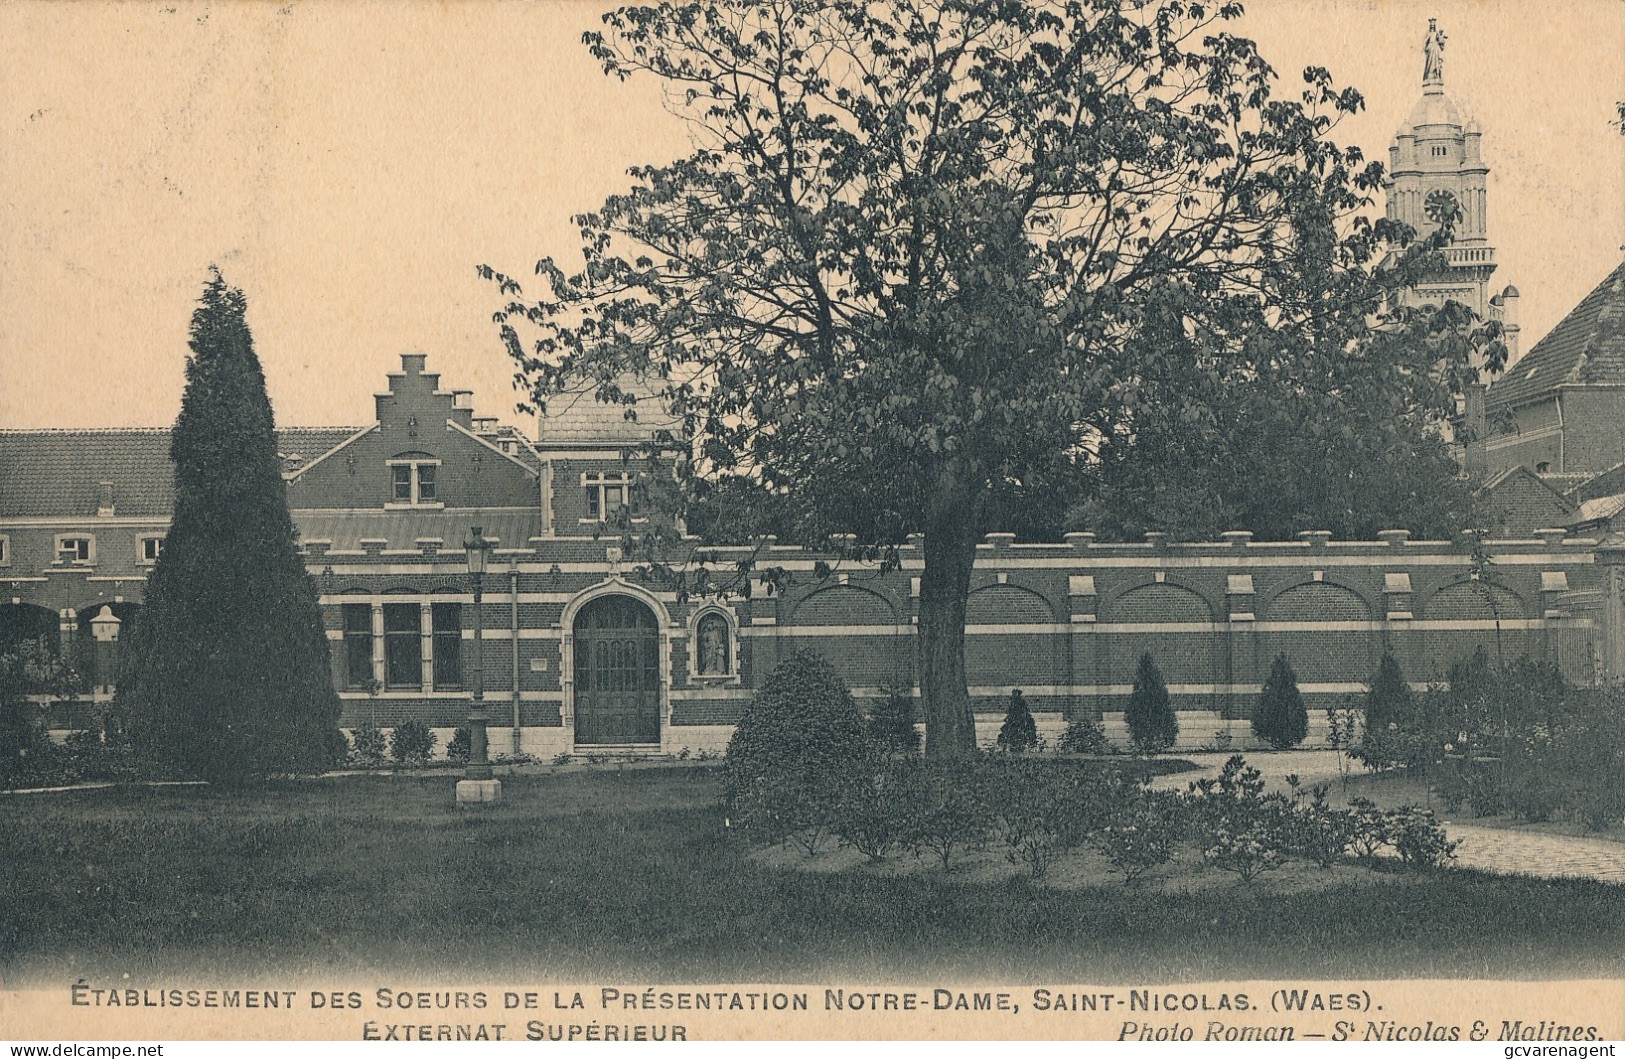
[(885, 519)]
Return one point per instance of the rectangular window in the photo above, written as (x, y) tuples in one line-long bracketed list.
[(448, 645), (608, 495), (403, 645), (414, 481), (357, 644), (75, 549), (5, 551), (151, 548)]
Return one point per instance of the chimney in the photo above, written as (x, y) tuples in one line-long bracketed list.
[(1475, 424), (105, 508)]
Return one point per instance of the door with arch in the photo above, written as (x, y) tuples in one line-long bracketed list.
[(617, 673)]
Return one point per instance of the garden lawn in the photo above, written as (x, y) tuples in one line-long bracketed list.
[(631, 873)]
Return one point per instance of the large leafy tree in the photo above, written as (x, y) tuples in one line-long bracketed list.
[(1346, 432), (229, 676), (897, 285)]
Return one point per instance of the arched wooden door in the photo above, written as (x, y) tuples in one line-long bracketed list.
[(617, 673)]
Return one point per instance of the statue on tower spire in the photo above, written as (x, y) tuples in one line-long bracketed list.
[(1433, 54)]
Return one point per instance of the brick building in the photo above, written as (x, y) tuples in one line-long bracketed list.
[(580, 654)]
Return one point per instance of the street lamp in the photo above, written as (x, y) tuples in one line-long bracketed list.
[(104, 627), (477, 784)]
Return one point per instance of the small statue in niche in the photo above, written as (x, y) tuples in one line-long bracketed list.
[(713, 647)]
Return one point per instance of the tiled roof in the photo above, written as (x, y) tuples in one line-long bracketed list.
[(510, 528), (299, 446), (576, 419), (1587, 346), (1604, 507), (1566, 482), (58, 473), (46, 473)]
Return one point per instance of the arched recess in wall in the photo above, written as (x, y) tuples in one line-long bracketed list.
[(1173, 623), (1324, 629), (1010, 640), (713, 644), (22, 622), (1490, 608), (857, 630), (1470, 600)]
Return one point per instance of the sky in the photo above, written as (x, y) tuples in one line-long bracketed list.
[(350, 164)]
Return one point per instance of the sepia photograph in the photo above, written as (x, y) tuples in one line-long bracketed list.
[(680, 520)]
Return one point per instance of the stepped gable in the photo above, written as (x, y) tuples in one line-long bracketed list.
[(1586, 348), (59, 473)]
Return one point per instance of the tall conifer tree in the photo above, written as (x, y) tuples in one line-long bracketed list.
[(229, 677)]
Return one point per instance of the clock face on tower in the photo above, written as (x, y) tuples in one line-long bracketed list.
[(1441, 207)]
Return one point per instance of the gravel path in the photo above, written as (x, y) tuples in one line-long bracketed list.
[(1507, 851)]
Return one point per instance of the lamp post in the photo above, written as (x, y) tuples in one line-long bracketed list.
[(478, 785), (104, 627)]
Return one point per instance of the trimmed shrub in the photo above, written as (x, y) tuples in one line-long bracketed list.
[(229, 676), (1152, 726), (1019, 733), (1389, 706), (368, 747), (1085, 735), (891, 722), (794, 754), (1280, 718), (460, 745), (411, 743)]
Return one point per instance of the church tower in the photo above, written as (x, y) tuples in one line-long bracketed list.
[(1434, 168)]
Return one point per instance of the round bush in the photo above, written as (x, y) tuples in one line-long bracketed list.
[(799, 743), (411, 742)]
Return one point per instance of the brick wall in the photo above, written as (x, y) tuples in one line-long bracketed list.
[(1064, 623)]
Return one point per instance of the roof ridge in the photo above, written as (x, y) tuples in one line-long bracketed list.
[(36, 431), (1561, 353), (148, 431)]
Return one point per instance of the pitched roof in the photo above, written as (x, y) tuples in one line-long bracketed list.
[(58, 473), (510, 527), (1587, 346), (579, 419), (1600, 509), (299, 447)]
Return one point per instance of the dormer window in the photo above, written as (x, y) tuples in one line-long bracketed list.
[(76, 549), (413, 480)]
